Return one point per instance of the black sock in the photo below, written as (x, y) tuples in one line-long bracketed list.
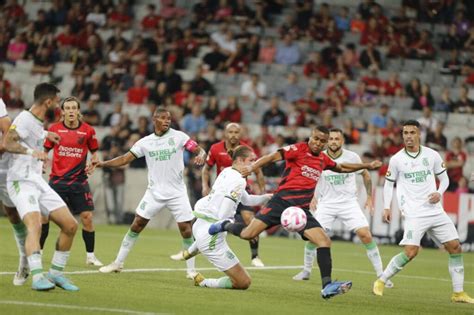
[(325, 264), (44, 234), (234, 228), (254, 247), (89, 240)]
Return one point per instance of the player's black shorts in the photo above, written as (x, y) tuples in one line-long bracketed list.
[(78, 197), (242, 207), (271, 214)]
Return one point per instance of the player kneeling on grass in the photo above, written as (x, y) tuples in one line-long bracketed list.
[(414, 169), (222, 202)]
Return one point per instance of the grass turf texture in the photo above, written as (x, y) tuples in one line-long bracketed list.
[(424, 287)]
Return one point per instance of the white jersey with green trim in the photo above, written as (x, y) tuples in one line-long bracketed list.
[(229, 184), (164, 159), (32, 134), (4, 156), (338, 188), (415, 178)]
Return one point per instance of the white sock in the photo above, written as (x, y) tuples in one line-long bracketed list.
[(127, 244), (456, 270), (222, 283), (374, 257), (193, 248), (59, 262), (190, 263), (394, 266), (20, 231), (90, 255), (36, 266), (309, 256)]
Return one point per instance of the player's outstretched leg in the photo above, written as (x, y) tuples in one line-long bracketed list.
[(19, 231), (309, 256), (237, 278), (128, 242), (456, 270), (88, 236), (187, 253), (395, 265)]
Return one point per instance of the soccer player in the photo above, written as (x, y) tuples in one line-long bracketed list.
[(19, 228), (68, 173), (336, 197), (414, 169), (220, 155), (221, 203), (163, 151), (304, 165), (31, 194)]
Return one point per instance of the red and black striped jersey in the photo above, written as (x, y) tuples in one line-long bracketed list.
[(70, 154)]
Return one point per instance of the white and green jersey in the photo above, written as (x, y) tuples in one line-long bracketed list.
[(164, 159), (4, 156), (338, 188), (415, 178), (32, 134), (229, 184)]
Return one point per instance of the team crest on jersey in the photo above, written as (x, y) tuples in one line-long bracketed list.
[(81, 140), (171, 141), (443, 165), (388, 174), (425, 162)]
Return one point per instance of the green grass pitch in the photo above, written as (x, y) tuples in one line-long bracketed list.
[(424, 287)]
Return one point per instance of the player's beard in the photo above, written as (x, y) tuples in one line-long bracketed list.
[(333, 151)]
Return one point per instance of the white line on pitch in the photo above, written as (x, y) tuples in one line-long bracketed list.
[(86, 272), (77, 307)]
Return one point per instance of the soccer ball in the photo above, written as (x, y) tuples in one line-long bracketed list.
[(293, 219)]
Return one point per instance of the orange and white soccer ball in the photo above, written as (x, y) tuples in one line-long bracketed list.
[(293, 219)]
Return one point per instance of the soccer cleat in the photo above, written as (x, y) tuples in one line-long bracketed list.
[(21, 275), (389, 284), (302, 275), (257, 262), (62, 282), (184, 255), (42, 284), (335, 288), (191, 274), (461, 297), (217, 227), (112, 267), (198, 278), (92, 260), (379, 285)]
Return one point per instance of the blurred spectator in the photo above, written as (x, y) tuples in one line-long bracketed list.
[(350, 56), (5, 87), (43, 63), (200, 85), (214, 60), (91, 115), (455, 160), (453, 64), (253, 89), (422, 48), (338, 88), (169, 10), (292, 90), (232, 112), (343, 20), (223, 11), (330, 53), (138, 93), (143, 127), (267, 52), (97, 16), (424, 100), (119, 16), (225, 40), (211, 112), (239, 61), (170, 77), (435, 139), (392, 86), (463, 187), (451, 40), (372, 34), (361, 97), (351, 134), (97, 89), (365, 8), (427, 122), (308, 102), (315, 68), (16, 48), (194, 122), (398, 48), (413, 89), (16, 100), (288, 53), (182, 95), (379, 121), (296, 117), (370, 58), (274, 116), (203, 10), (159, 94), (372, 81), (464, 104), (113, 119), (79, 88), (151, 19), (445, 104), (357, 24)]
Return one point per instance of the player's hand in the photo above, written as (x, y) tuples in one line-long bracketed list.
[(313, 205), (42, 156), (53, 137), (199, 160), (375, 165), (268, 197), (369, 204), (387, 215), (434, 197), (205, 190), (246, 170)]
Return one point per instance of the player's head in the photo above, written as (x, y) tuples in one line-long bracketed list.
[(46, 94), (70, 109), (161, 119), (411, 133), (243, 156), (318, 139), (232, 134), (336, 139)]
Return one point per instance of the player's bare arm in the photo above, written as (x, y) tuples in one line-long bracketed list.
[(12, 145), (53, 137), (260, 180), (435, 197), (200, 156), (353, 167), (368, 188), (261, 162), (119, 161), (205, 180), (5, 123), (90, 167)]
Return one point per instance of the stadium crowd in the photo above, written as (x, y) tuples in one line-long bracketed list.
[(364, 67)]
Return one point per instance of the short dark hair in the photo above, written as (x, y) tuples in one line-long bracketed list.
[(241, 151), (160, 109), (412, 122), (43, 91), (71, 99), (336, 130), (322, 129)]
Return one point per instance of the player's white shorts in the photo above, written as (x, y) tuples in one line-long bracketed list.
[(214, 247), (179, 207), (349, 213), (440, 226), (4, 192), (33, 196)]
